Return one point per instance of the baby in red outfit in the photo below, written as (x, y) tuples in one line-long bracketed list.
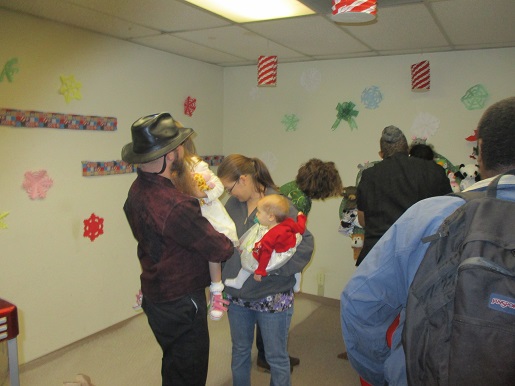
[(274, 248)]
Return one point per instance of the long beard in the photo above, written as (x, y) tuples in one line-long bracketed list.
[(181, 177)]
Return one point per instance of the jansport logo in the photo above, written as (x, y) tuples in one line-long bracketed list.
[(502, 303)]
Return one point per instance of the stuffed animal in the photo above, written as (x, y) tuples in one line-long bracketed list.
[(467, 175), (455, 186), (348, 210), (358, 238), (204, 183)]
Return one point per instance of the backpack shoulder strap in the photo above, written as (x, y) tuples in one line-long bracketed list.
[(491, 192)]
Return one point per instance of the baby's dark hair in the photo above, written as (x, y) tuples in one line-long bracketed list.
[(319, 180), (422, 151)]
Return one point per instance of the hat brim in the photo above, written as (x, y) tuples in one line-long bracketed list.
[(129, 156)]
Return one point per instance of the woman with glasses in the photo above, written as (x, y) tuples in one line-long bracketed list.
[(268, 303)]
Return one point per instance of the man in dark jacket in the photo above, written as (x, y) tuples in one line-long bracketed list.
[(390, 187), (175, 243)]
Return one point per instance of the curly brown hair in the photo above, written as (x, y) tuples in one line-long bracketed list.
[(319, 180)]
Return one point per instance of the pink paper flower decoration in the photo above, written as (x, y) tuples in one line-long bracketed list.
[(37, 184), (93, 227)]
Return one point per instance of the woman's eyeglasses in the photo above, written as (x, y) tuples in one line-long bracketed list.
[(229, 191)]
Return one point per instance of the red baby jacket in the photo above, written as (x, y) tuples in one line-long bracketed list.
[(279, 238)]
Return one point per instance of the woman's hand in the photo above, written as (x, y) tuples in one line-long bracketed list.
[(257, 277)]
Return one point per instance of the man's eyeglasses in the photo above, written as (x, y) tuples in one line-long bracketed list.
[(229, 191)]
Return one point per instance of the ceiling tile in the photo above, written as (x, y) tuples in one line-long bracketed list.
[(477, 22), (400, 28), (74, 15), (238, 41), (309, 35), (187, 49)]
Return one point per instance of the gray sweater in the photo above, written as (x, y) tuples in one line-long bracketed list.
[(277, 281)]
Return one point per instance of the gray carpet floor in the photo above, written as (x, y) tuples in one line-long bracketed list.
[(128, 355)]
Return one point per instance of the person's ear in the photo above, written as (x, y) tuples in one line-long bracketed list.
[(381, 154), (171, 156)]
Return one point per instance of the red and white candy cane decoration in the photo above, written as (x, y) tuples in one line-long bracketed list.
[(420, 76), (354, 11), (267, 71)]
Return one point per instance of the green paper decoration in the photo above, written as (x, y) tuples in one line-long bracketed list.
[(347, 113), (475, 97), (9, 70), (290, 122)]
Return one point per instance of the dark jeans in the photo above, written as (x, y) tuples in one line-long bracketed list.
[(180, 328), (259, 344)]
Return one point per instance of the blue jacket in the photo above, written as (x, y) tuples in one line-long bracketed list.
[(377, 292)]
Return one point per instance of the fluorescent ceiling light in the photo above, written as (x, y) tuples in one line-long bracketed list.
[(242, 11)]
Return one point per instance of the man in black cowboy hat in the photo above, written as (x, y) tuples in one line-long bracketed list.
[(175, 243)]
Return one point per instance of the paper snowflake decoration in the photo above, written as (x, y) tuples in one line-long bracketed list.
[(70, 88), (290, 122), (425, 125), (3, 215), (475, 97), (311, 79), (9, 70), (93, 227), (190, 104), (37, 184), (371, 97)]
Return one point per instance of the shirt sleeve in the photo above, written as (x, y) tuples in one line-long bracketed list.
[(218, 188), (302, 256), (188, 228)]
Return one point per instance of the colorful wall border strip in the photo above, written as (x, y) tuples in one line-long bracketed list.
[(93, 168), (38, 119)]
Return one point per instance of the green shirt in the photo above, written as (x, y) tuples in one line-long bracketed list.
[(297, 196)]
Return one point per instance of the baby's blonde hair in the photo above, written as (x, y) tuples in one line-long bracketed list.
[(276, 205)]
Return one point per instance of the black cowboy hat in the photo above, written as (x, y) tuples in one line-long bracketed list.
[(154, 136)]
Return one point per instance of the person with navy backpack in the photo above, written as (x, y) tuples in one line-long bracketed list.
[(386, 283)]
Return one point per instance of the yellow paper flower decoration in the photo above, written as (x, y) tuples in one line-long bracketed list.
[(70, 88)]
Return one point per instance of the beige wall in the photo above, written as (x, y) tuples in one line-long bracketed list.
[(252, 126), (67, 287)]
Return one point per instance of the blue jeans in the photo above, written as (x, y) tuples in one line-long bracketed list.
[(274, 329)]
